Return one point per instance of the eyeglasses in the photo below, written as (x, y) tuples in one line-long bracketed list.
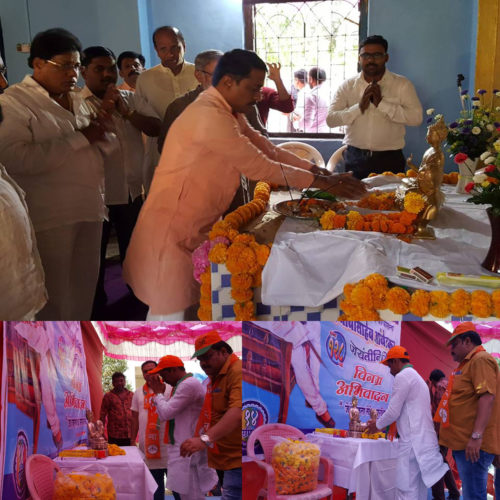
[(66, 66), (377, 56)]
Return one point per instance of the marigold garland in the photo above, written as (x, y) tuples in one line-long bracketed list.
[(363, 300), (243, 256), (451, 178)]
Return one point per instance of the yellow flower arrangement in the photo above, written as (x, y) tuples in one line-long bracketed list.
[(460, 302), (495, 300), (414, 203), (439, 304)]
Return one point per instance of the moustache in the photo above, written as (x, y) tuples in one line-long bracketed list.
[(134, 72)]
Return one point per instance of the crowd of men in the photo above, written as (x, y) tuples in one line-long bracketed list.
[(188, 431), (89, 159)]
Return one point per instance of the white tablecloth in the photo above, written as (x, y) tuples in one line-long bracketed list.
[(130, 475), (364, 466), (311, 268)]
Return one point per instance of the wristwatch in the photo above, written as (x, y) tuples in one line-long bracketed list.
[(206, 440), (476, 435)]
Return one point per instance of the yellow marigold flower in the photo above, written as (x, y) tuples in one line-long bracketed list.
[(244, 311), (495, 300), (242, 294), (414, 203), (460, 303), (326, 220), (241, 259), (353, 218), (205, 314), (218, 254), (361, 296), (440, 304), (398, 300), (481, 304), (419, 303), (220, 228), (241, 280)]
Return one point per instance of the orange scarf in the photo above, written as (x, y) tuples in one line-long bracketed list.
[(443, 412), (152, 435), (204, 420)]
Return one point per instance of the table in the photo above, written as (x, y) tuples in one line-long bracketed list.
[(130, 475), (364, 466), (298, 288)]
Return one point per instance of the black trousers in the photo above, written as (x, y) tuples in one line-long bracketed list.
[(363, 162)]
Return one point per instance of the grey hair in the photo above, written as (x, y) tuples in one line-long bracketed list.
[(206, 57)]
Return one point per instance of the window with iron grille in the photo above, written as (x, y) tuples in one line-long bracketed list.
[(302, 36)]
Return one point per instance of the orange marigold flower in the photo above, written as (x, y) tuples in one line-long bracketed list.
[(369, 315), (262, 252), (245, 238), (440, 304), (241, 294), (206, 302), (205, 290), (361, 295), (339, 221), (398, 228), (244, 311), (407, 218), (481, 304), (205, 314), (206, 277), (495, 300), (241, 280), (348, 288), (257, 279), (398, 300), (400, 174), (351, 310), (241, 259), (372, 174), (220, 228), (419, 303), (218, 254), (414, 203), (460, 303)]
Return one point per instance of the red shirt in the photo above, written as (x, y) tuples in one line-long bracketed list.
[(116, 406), (271, 100)]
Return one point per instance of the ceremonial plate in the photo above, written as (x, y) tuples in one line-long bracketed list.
[(310, 209)]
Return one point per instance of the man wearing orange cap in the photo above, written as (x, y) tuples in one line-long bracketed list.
[(420, 464), (469, 410), (189, 476), (219, 422)]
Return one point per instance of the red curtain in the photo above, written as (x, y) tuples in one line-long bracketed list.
[(426, 344), (93, 355)]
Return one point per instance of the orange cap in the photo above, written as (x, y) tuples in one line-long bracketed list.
[(203, 343), (396, 352), (167, 362), (466, 326)]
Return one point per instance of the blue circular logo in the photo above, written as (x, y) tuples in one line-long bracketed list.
[(18, 468), (253, 415), (336, 347)]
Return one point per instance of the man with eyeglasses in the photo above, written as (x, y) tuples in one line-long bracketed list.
[(163, 83), (470, 409), (127, 115), (374, 106), (52, 150), (204, 66)]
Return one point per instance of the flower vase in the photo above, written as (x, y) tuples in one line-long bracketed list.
[(492, 260), (466, 171)]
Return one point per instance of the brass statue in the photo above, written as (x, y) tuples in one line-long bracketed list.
[(428, 180), (96, 433), (356, 427)]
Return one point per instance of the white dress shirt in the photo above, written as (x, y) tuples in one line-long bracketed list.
[(60, 171), (122, 164), (410, 408), (381, 127), (22, 288)]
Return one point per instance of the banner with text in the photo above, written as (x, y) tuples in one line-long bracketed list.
[(305, 374), (47, 395)]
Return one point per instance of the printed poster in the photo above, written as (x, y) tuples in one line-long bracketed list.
[(306, 373), (47, 395)]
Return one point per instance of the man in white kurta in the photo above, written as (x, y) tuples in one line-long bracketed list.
[(420, 464), (189, 476), (50, 148), (164, 83)]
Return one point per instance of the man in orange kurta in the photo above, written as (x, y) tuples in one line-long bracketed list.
[(206, 150)]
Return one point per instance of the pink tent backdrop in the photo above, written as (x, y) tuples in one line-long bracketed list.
[(140, 340)]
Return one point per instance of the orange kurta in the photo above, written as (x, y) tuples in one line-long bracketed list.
[(206, 150)]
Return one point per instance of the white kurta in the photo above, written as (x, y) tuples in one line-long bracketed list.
[(186, 474), (410, 408), (22, 285)]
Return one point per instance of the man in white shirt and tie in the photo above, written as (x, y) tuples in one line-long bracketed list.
[(163, 83), (375, 106)]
